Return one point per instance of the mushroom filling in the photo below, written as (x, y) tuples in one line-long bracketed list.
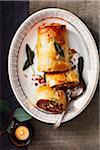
[(50, 106)]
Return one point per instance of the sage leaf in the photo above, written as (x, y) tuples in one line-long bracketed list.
[(30, 54), (11, 124), (59, 49), (80, 66), (28, 50), (30, 57), (21, 115), (26, 65)]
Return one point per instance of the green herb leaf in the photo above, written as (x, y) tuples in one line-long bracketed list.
[(26, 65), (11, 124), (28, 50), (58, 49), (30, 57), (21, 115), (30, 54), (80, 66)]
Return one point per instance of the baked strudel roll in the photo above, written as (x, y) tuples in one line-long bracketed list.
[(68, 79), (51, 100), (52, 48)]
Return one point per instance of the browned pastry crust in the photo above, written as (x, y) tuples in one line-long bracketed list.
[(67, 79), (50, 99), (49, 59)]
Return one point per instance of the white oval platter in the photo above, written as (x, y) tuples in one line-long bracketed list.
[(80, 39)]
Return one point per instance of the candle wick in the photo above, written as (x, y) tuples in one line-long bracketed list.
[(21, 132)]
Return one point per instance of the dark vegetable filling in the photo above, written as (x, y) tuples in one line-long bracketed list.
[(50, 106)]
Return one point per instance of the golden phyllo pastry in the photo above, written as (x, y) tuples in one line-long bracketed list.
[(68, 79), (51, 100), (52, 48)]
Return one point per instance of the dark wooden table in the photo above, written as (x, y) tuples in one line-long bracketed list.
[(81, 133)]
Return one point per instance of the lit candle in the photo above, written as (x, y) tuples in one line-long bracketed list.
[(22, 133)]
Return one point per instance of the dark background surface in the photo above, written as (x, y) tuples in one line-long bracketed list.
[(81, 133), (12, 14)]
